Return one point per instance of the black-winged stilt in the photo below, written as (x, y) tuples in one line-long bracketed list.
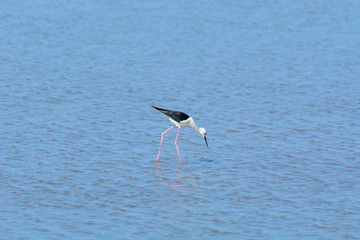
[(179, 119)]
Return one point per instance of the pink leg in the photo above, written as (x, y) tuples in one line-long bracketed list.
[(162, 136), (177, 145)]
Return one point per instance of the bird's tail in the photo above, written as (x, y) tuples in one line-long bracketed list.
[(159, 109)]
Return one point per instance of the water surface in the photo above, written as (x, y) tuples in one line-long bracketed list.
[(276, 85)]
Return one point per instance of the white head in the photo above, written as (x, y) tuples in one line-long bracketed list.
[(202, 131)]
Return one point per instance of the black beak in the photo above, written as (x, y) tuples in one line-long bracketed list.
[(206, 142)]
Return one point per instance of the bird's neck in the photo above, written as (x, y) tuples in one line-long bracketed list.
[(193, 125), (196, 127)]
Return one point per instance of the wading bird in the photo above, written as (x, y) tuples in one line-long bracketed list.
[(179, 119)]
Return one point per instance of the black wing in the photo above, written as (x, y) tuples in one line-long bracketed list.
[(177, 116)]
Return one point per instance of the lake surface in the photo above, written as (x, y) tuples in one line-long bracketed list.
[(276, 84)]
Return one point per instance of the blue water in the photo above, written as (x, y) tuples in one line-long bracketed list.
[(275, 83)]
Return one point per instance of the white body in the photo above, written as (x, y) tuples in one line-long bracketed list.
[(189, 123), (186, 123)]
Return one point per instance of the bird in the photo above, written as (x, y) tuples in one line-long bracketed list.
[(179, 119)]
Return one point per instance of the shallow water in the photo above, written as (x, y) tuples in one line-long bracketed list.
[(276, 85)]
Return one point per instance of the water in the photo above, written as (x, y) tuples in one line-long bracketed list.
[(276, 85)]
